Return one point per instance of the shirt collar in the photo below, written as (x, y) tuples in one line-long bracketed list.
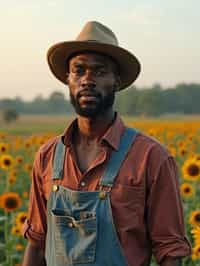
[(111, 136)]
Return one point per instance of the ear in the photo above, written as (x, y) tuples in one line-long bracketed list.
[(67, 78), (117, 82)]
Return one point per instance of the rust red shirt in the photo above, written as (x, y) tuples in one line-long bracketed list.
[(145, 199)]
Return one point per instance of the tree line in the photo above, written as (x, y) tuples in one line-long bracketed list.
[(181, 99)]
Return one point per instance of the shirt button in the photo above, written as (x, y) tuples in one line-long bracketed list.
[(83, 183)]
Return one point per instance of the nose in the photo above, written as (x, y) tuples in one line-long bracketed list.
[(88, 81)]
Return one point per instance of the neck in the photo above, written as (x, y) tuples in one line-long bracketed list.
[(91, 129)]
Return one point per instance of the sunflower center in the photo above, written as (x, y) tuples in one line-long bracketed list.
[(22, 219), (11, 203), (193, 170), (183, 152), (187, 190), (7, 162), (3, 149), (197, 217)]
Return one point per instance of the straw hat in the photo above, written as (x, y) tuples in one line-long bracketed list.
[(94, 37)]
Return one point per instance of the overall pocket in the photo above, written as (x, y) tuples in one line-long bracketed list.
[(75, 237)]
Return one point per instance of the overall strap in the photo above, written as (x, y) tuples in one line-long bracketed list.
[(117, 157), (58, 161)]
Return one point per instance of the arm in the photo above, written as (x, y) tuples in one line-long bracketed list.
[(33, 256), (165, 219), (34, 228)]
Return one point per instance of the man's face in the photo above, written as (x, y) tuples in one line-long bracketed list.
[(92, 81)]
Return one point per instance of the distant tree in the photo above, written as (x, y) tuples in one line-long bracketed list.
[(150, 102), (58, 104), (10, 115), (126, 101), (188, 98)]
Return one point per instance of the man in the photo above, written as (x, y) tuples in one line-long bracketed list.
[(102, 194)]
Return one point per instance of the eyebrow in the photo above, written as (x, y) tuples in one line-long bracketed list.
[(94, 66)]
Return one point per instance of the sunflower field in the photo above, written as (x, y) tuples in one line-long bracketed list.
[(17, 152)]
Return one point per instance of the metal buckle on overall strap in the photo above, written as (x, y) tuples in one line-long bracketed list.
[(102, 192)]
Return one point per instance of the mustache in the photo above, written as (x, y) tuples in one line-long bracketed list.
[(87, 92)]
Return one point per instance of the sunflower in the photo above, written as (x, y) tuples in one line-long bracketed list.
[(196, 252), (191, 169), (20, 218), (18, 143), (25, 194), (28, 167), (152, 132), (10, 201), (182, 151), (187, 190), (28, 144), (40, 141), (15, 230), (12, 180), (19, 247), (180, 143), (1, 201), (2, 135), (191, 137), (6, 161), (196, 234), (19, 159), (197, 157), (195, 218), (3, 147), (172, 151), (12, 177)]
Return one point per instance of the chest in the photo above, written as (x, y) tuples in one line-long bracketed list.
[(86, 155)]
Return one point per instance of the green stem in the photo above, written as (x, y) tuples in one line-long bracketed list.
[(7, 184), (6, 237)]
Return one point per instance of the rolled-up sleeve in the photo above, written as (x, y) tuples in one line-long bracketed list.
[(165, 214), (34, 228)]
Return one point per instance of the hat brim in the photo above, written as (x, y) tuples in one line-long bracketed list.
[(57, 56)]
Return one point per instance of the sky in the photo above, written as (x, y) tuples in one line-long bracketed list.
[(164, 36)]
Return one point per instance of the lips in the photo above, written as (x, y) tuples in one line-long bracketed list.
[(86, 96), (89, 98)]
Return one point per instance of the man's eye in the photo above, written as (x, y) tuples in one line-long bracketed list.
[(100, 72), (78, 71)]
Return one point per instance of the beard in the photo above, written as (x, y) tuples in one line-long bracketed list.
[(92, 110)]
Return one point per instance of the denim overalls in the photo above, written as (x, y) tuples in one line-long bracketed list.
[(80, 226)]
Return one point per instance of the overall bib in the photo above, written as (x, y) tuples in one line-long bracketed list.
[(80, 224)]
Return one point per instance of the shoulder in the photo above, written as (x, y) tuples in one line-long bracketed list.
[(45, 153), (160, 164), (49, 145), (149, 156), (150, 146)]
